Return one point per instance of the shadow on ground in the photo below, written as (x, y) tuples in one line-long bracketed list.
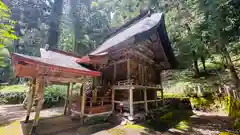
[(10, 113), (185, 123), (64, 125)]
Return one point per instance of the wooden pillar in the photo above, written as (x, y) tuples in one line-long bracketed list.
[(145, 100), (161, 93), (94, 91), (40, 97), (66, 100), (114, 73), (128, 69), (70, 99), (30, 98), (83, 100), (113, 98), (131, 101), (156, 97)]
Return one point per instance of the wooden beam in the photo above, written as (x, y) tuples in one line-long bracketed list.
[(141, 102), (142, 74), (154, 100), (70, 99), (114, 72), (156, 97), (113, 98), (30, 97), (128, 69), (145, 99), (127, 87), (118, 102), (116, 62), (131, 101), (139, 75), (83, 100), (40, 97), (98, 114), (161, 93), (66, 100), (94, 91), (146, 58)]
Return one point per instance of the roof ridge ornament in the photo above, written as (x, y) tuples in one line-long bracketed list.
[(46, 47)]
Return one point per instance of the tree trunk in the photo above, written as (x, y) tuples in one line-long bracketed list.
[(203, 63), (230, 65), (195, 63), (54, 30)]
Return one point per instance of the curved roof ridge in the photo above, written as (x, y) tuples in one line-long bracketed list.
[(141, 26)]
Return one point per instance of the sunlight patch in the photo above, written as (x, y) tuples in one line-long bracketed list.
[(183, 125), (13, 128), (226, 133), (116, 131), (133, 126)]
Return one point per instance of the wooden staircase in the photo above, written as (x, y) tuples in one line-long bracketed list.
[(102, 104)]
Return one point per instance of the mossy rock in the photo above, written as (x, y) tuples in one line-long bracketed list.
[(226, 133), (167, 116), (237, 124), (182, 125), (83, 131)]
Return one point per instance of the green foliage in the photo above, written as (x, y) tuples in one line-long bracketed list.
[(237, 124), (167, 116), (12, 97), (15, 94), (233, 107), (182, 125), (6, 32), (210, 102), (169, 120), (226, 133), (14, 88)]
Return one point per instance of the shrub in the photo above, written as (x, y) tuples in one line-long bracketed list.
[(237, 124), (53, 95), (12, 97)]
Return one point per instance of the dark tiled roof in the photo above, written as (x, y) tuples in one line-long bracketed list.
[(139, 29), (141, 26)]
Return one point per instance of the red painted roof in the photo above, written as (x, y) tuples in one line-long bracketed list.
[(60, 62)]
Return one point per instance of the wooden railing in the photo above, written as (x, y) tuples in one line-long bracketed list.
[(99, 101), (125, 82)]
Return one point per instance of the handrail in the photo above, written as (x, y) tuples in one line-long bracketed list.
[(101, 100), (99, 97)]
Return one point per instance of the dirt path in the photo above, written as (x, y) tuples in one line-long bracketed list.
[(11, 113), (198, 124)]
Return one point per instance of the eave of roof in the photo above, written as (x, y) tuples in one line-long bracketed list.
[(139, 27), (79, 70)]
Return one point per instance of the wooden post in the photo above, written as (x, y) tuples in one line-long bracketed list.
[(161, 93), (131, 101), (70, 99), (67, 100), (94, 91), (40, 96), (113, 98), (145, 100), (156, 98), (30, 98), (83, 101), (128, 69), (114, 73)]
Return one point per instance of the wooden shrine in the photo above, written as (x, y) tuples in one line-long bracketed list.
[(125, 71), (131, 60), (53, 67)]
